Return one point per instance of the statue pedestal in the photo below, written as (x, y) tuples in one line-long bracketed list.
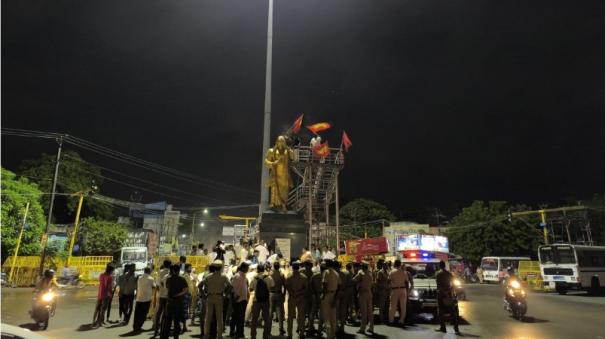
[(284, 225)]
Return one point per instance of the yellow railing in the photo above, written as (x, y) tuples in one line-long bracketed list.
[(529, 272), (26, 270), (198, 262)]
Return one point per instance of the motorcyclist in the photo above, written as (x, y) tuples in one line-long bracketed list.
[(508, 282), (47, 282)]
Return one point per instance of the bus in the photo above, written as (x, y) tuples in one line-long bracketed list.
[(578, 267), (492, 265)]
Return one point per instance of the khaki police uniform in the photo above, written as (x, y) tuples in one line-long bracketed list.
[(297, 286), (382, 294), (398, 279), (276, 298), (330, 282), (261, 307), (316, 310), (364, 295), (308, 296), (343, 304), (215, 285)]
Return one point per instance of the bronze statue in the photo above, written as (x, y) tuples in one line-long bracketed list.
[(278, 160)]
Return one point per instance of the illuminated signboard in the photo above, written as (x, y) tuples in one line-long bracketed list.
[(423, 242)]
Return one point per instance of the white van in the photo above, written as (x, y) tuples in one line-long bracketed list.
[(492, 265)]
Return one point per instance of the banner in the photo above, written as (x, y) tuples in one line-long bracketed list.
[(370, 246), (283, 245)]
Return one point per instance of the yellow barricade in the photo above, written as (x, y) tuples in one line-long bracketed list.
[(27, 268), (529, 272)]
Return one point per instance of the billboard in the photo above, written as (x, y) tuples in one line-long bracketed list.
[(422, 242), (370, 246), (398, 228)]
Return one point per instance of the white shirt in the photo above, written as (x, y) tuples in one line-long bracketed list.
[(228, 256), (145, 286), (211, 257), (328, 255), (263, 253), (272, 258), (243, 254)]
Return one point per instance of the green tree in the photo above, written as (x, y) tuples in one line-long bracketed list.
[(101, 237), (360, 215), (484, 229), (74, 175), (16, 192)]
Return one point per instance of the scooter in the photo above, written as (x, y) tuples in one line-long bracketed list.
[(71, 281), (44, 308), (515, 300)]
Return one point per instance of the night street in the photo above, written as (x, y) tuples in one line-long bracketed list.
[(549, 316)]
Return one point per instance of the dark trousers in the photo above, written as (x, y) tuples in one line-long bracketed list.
[(443, 309), (238, 318), (126, 304), (172, 315), (158, 314), (140, 314), (259, 308), (109, 305), (99, 315)]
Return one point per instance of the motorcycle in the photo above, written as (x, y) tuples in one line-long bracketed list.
[(71, 281), (459, 289), (515, 300), (44, 308)]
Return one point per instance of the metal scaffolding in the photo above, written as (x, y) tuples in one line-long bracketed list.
[(316, 188)]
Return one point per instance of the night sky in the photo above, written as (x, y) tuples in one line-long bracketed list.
[(445, 101)]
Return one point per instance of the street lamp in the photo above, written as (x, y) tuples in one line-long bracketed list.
[(205, 211), (202, 224), (184, 236)]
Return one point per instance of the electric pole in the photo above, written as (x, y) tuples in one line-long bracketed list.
[(264, 190), (50, 208)]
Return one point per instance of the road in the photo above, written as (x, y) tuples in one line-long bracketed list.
[(549, 316)]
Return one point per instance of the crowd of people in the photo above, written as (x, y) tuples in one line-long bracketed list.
[(255, 286)]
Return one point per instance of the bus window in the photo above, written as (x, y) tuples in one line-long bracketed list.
[(546, 255), (489, 265), (566, 255)]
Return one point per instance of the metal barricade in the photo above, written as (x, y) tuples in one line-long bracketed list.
[(529, 272)]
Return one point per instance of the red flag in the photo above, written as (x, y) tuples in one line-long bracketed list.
[(297, 124), (346, 142), (322, 150), (320, 126)]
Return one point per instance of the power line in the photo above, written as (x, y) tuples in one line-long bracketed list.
[(129, 159)]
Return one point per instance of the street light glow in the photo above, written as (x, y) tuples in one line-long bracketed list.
[(184, 235), (202, 224), (205, 211)]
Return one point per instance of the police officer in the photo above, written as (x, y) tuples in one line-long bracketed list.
[(343, 304), (215, 285), (382, 290), (330, 282), (398, 280), (446, 301), (316, 288), (297, 286), (307, 271), (261, 285), (277, 294), (363, 278)]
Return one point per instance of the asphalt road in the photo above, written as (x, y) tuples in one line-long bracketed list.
[(549, 316)]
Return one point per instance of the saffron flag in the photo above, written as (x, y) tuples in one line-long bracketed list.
[(318, 127), (297, 124), (322, 150), (346, 142)]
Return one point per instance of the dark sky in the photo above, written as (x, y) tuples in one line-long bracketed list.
[(445, 101)]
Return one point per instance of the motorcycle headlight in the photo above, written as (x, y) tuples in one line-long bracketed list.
[(48, 296), (414, 294), (511, 292), (457, 283), (515, 284)]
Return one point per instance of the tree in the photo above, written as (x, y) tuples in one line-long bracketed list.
[(101, 237), (360, 215), (484, 229), (74, 175), (16, 192)]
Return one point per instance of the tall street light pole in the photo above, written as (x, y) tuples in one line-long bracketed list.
[(50, 208), (264, 195)]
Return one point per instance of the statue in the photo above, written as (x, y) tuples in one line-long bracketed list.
[(278, 161)]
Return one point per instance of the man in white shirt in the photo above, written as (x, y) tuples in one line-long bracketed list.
[(145, 286), (328, 255), (162, 294), (239, 282), (263, 252)]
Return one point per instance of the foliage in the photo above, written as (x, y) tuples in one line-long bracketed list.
[(484, 229), (16, 192), (360, 215), (74, 175), (101, 237)]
